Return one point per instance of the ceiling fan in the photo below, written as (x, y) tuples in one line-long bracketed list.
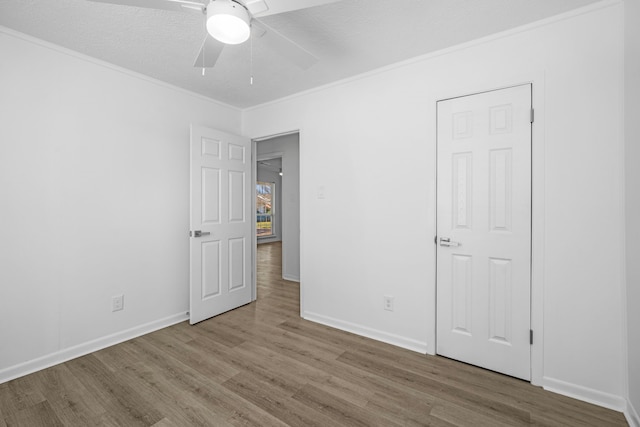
[(233, 21)]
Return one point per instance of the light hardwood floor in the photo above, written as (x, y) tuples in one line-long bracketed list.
[(261, 365)]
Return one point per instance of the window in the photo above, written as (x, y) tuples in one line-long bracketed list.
[(264, 208)]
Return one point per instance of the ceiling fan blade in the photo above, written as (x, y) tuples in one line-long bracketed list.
[(259, 8), (175, 5), (209, 53), (284, 46)]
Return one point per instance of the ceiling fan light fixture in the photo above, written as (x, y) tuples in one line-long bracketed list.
[(228, 22)]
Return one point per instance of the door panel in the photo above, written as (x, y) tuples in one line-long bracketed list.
[(500, 190), (484, 230), (237, 196), (210, 196), (237, 263), (500, 300), (210, 269), (461, 290), (220, 257), (462, 190)]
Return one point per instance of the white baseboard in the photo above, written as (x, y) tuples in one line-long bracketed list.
[(631, 415), (397, 340), (291, 278), (269, 239), (606, 400), (66, 354)]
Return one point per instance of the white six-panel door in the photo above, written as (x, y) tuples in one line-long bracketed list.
[(221, 226), (484, 230)]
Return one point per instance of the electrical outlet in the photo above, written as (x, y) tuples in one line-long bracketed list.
[(117, 303), (388, 303)]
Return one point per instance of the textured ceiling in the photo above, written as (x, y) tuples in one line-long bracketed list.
[(349, 37)]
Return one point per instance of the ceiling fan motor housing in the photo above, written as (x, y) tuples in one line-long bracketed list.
[(228, 22)]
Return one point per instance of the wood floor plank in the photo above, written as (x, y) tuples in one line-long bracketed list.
[(279, 367), (297, 347), (166, 422), (248, 362), (256, 417), (70, 400), (261, 365), (458, 395), (346, 390), (38, 415), (402, 405), (19, 394), (219, 335), (463, 417), (120, 401), (197, 397), (503, 388), (179, 405), (339, 410), (203, 393), (506, 390), (167, 344), (275, 401), (319, 332)]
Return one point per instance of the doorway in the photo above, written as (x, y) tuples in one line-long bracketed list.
[(284, 147), (484, 230)]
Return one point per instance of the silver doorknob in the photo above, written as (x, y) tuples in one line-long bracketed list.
[(199, 233), (445, 241)]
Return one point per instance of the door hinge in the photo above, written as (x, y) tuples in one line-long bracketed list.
[(531, 336), (531, 116), (435, 240), (190, 233)]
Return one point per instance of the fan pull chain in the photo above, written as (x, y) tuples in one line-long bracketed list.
[(204, 46), (251, 59)]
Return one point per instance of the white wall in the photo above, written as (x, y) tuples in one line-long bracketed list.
[(268, 175), (288, 145), (632, 156), (94, 202), (371, 235)]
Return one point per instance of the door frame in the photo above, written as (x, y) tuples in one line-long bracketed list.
[(537, 81), (254, 240)]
